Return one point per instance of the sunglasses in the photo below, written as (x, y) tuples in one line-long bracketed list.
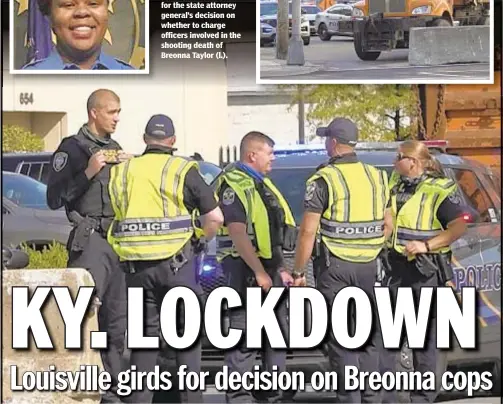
[(400, 156)]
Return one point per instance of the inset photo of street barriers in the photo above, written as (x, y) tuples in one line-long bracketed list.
[(376, 41)]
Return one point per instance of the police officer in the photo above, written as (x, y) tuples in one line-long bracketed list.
[(78, 180), (427, 219), (258, 225), (156, 197), (350, 199), (80, 31)]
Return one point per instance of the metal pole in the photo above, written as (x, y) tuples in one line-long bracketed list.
[(302, 135), (296, 46), (282, 30)]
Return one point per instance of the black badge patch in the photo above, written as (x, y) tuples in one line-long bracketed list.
[(228, 196), (60, 160), (454, 198), (311, 188)]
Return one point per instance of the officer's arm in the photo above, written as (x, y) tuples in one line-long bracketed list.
[(388, 223), (450, 215), (67, 179), (315, 203), (199, 195), (235, 221)]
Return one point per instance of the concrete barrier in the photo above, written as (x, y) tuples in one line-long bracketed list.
[(445, 45), (33, 359)]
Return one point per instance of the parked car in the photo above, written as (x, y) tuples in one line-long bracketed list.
[(310, 11), (26, 218), (327, 22), (269, 15), (267, 34)]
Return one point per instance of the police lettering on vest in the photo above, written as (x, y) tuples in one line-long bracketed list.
[(352, 227), (258, 226)]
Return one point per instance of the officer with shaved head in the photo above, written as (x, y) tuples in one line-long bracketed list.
[(78, 181), (79, 27)]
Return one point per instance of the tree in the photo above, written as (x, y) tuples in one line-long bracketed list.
[(18, 139), (381, 112)]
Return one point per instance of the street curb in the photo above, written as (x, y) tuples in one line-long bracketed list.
[(271, 69)]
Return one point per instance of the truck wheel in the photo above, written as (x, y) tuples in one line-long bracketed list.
[(323, 33), (441, 22), (366, 56), (306, 40)]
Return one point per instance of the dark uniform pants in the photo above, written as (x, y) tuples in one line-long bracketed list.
[(332, 277), (240, 359), (157, 278), (424, 360), (100, 260)]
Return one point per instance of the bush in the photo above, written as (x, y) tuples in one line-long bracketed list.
[(18, 139), (53, 256)]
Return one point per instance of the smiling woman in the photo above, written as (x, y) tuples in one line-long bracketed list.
[(79, 31)]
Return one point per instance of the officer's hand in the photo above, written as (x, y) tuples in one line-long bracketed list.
[(95, 164), (415, 247), (263, 280), (286, 278), (300, 281), (123, 156)]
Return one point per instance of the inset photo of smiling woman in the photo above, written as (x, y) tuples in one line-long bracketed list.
[(79, 37)]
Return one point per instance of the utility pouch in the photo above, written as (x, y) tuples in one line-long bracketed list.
[(181, 257), (316, 253), (426, 264), (289, 237), (445, 273)]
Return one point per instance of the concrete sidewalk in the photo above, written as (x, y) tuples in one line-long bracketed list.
[(271, 67)]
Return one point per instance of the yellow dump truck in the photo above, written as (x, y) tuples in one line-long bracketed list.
[(384, 25)]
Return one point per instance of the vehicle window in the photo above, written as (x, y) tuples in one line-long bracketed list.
[(268, 8), (209, 171), (475, 194), (311, 10), (346, 11), (24, 191), (25, 168), (45, 173), (35, 171)]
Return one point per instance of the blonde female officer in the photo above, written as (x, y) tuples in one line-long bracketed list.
[(427, 219)]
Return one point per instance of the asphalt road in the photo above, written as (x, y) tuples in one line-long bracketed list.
[(337, 60)]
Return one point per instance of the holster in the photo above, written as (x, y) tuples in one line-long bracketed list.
[(290, 234), (316, 253), (445, 272), (83, 228), (384, 258), (426, 264), (181, 257)]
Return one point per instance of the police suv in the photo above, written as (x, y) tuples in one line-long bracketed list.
[(476, 256)]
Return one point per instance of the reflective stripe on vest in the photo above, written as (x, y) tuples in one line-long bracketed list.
[(417, 219), (151, 220), (257, 222), (352, 227)]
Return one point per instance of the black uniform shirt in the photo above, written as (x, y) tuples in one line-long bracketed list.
[(196, 193), (67, 180), (234, 212)]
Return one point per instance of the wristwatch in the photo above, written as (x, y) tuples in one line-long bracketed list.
[(298, 274)]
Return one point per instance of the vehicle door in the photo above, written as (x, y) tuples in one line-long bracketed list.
[(477, 255), (334, 15)]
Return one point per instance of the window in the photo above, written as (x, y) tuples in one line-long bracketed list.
[(24, 191), (311, 10), (35, 171), (25, 168), (45, 173), (475, 194)]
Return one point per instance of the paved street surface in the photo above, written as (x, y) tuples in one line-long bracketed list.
[(336, 60)]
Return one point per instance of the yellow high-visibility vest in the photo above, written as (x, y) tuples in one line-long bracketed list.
[(151, 221), (257, 220), (417, 219), (352, 228)]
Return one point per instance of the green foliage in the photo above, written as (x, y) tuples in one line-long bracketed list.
[(18, 139), (381, 112), (52, 256)]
